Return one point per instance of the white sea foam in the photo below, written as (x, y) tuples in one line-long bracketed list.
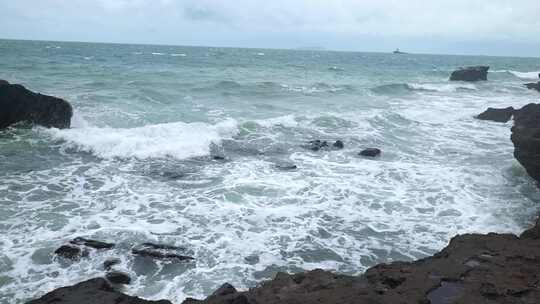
[(446, 87), (286, 121), (179, 55), (158, 54), (522, 75), (179, 140)]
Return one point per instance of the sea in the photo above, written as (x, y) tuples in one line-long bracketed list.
[(205, 148)]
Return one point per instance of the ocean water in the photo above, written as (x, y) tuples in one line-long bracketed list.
[(138, 163)]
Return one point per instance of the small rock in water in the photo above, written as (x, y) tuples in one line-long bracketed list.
[(370, 152), (109, 263), (91, 243), (286, 167), (338, 144), (118, 277), (225, 289), (161, 252), (497, 115), (73, 253), (316, 145), (218, 157), (533, 86), (473, 73)]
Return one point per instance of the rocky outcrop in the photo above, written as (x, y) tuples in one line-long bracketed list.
[(533, 86), (93, 291), (473, 73), (18, 104), (91, 243), (497, 115), (526, 138)]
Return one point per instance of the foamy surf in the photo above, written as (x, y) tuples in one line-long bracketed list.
[(178, 140), (521, 75)]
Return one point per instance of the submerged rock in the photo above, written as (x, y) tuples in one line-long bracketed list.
[(91, 243), (497, 115), (473, 73), (316, 145), (338, 144), (118, 277), (18, 104), (526, 138), (161, 252), (370, 152), (93, 291), (533, 86), (69, 252)]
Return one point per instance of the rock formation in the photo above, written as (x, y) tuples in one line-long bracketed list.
[(473, 73), (18, 104), (526, 138), (497, 115)]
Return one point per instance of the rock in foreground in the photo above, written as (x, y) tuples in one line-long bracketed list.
[(497, 115), (473, 73), (473, 268), (94, 291), (18, 104), (526, 138)]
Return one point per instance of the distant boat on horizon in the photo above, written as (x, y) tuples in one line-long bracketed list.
[(397, 51)]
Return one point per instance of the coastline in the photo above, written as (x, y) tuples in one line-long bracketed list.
[(472, 268)]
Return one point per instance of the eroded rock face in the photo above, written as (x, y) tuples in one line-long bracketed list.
[(91, 292), (18, 104), (497, 115), (526, 138), (473, 73)]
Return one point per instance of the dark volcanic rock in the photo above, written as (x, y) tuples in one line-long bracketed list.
[(473, 73), (497, 115), (3, 82), (17, 104), (94, 291), (526, 138), (109, 263), (91, 243), (161, 252), (473, 268), (70, 252), (338, 144), (533, 86), (286, 167), (370, 152), (118, 277)]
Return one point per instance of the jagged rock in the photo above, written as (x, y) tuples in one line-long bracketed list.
[(91, 243), (533, 86), (93, 291), (70, 252), (497, 115), (161, 252), (526, 138), (118, 277), (473, 73), (109, 263), (370, 152), (18, 104)]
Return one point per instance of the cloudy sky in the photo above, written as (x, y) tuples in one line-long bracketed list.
[(492, 27)]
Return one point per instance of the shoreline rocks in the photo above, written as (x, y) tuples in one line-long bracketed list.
[(472, 73), (18, 104), (496, 114), (161, 252), (526, 138)]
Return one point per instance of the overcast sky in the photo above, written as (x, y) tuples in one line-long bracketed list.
[(491, 27)]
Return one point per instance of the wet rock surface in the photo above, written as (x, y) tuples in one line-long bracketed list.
[(533, 86), (118, 277), (161, 252), (70, 252), (370, 152), (526, 138), (497, 115), (472, 73), (18, 104), (91, 292), (91, 243)]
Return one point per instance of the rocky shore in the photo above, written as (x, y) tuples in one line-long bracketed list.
[(473, 268)]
